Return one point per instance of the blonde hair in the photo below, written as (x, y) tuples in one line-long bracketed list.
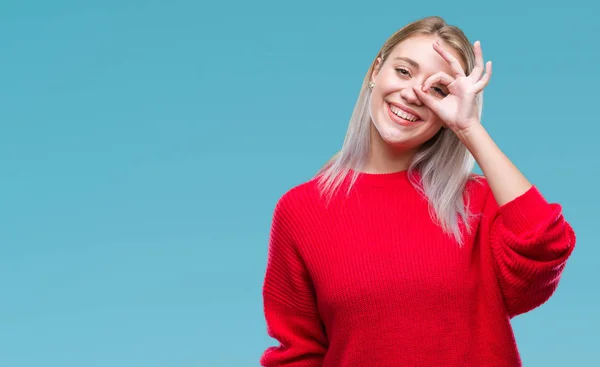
[(444, 163)]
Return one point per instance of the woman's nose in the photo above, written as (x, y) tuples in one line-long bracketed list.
[(410, 96)]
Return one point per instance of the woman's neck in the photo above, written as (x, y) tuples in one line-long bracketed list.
[(385, 159)]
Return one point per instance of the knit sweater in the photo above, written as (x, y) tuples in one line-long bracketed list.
[(370, 280)]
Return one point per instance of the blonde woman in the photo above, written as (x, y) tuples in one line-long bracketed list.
[(395, 253)]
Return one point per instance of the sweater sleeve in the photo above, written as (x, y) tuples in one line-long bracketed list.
[(530, 242), (289, 300)]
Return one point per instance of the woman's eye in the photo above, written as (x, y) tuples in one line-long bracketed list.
[(439, 91), (402, 71)]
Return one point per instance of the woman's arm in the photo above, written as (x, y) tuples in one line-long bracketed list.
[(529, 237), (530, 241), (289, 300), (505, 180)]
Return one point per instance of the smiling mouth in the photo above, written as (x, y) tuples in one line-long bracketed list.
[(402, 116)]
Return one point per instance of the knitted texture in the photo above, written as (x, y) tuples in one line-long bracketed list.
[(371, 280)]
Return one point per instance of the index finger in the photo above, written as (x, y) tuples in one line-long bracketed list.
[(453, 61)]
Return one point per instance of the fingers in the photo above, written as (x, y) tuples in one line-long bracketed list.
[(453, 61), (477, 79), (478, 69), (483, 82), (426, 98), (441, 78)]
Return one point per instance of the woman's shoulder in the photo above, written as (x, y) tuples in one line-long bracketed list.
[(477, 190), (476, 183), (300, 195)]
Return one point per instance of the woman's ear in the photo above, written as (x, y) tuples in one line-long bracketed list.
[(376, 68)]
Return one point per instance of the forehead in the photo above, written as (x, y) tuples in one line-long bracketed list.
[(420, 49)]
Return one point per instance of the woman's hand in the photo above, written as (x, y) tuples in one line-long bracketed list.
[(458, 110)]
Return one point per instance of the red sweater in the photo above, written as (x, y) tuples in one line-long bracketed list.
[(370, 280)]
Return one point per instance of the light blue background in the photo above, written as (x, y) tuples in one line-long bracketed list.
[(143, 145)]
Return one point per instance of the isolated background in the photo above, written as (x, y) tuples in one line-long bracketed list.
[(143, 145)]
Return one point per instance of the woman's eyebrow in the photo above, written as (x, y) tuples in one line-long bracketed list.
[(408, 60)]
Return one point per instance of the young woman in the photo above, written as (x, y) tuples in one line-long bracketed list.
[(395, 253)]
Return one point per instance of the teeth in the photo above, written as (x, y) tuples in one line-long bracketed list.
[(404, 115)]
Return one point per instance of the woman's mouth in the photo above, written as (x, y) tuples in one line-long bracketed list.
[(402, 117)]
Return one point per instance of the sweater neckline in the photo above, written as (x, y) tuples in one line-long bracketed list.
[(381, 179)]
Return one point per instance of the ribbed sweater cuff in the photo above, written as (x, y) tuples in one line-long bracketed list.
[(525, 212)]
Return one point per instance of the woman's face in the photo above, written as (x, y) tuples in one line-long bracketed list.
[(399, 117)]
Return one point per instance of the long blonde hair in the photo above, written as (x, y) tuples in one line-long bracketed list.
[(444, 163)]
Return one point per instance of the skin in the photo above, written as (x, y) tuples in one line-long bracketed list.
[(394, 145), (442, 96)]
